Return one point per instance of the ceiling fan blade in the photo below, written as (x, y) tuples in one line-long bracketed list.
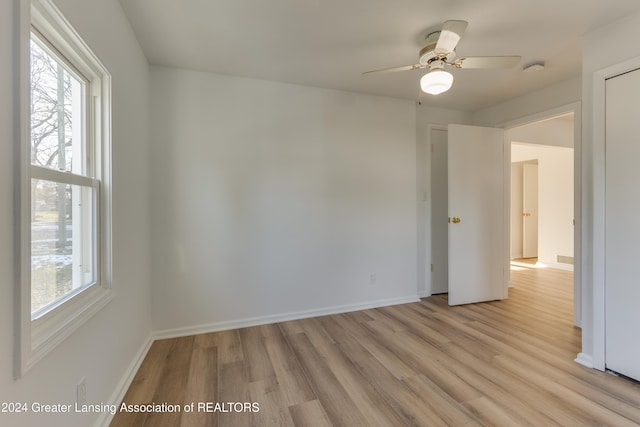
[(450, 36), (394, 69), (488, 62)]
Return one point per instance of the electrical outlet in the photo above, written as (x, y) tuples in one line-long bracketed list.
[(372, 279), (81, 392)]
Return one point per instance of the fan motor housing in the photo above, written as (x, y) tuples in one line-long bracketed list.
[(428, 53)]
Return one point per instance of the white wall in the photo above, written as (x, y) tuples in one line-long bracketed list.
[(557, 132), (102, 349), (555, 198), (613, 39), (272, 199), (557, 95)]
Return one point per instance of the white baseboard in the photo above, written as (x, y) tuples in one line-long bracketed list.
[(123, 385), (584, 360), (265, 320), (424, 294)]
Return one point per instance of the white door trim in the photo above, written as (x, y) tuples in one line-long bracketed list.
[(424, 263), (576, 109)]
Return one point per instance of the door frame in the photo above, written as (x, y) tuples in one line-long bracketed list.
[(444, 229), (518, 229), (597, 304), (424, 196), (576, 109)]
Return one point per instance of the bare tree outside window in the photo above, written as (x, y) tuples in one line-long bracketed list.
[(52, 140), (51, 114)]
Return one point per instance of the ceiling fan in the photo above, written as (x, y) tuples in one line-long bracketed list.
[(439, 52)]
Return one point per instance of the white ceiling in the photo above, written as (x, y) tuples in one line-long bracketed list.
[(329, 43)]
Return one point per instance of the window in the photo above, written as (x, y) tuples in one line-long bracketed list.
[(63, 187), (65, 206)]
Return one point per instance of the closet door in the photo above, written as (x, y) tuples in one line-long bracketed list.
[(622, 224)]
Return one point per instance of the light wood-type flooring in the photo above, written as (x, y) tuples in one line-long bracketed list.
[(503, 363)]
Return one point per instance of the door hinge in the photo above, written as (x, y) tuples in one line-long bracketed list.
[(433, 148)]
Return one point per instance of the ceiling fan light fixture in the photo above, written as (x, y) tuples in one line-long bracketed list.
[(436, 82)]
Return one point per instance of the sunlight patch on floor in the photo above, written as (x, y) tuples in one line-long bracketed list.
[(524, 265)]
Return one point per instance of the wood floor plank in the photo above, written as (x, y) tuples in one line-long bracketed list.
[(172, 386), (502, 363), (459, 380), (415, 322), (144, 384), (491, 413), (449, 410), (228, 344), (334, 398), (514, 393), (387, 358), (292, 382), (374, 408), (309, 414), (408, 408), (202, 383), (598, 414), (274, 411), (234, 386), (258, 363), (618, 404)]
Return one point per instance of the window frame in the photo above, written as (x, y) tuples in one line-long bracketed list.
[(38, 335)]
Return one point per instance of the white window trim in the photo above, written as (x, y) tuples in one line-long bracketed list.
[(36, 338)]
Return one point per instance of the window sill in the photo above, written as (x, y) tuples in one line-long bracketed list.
[(45, 333)]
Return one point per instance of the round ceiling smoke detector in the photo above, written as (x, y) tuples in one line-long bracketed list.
[(533, 67)]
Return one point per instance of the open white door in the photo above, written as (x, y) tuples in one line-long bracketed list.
[(477, 214)]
